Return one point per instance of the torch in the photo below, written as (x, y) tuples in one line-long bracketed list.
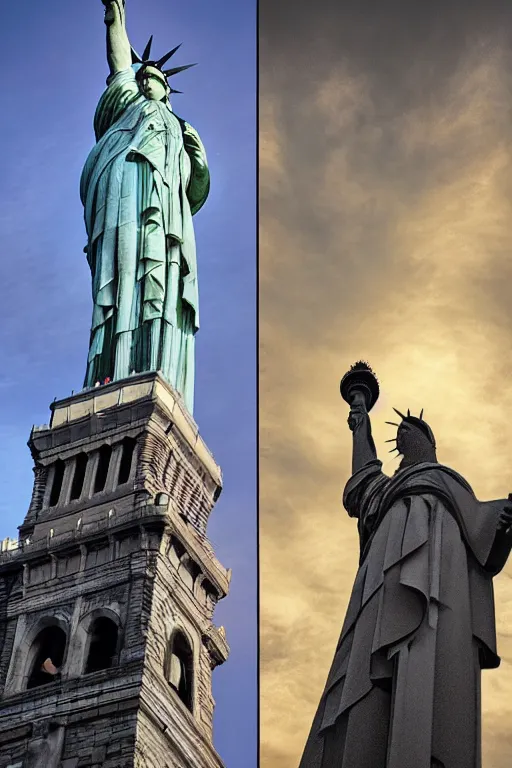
[(359, 386)]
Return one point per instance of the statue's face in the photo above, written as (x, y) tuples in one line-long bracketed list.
[(152, 85), (412, 443), (401, 438)]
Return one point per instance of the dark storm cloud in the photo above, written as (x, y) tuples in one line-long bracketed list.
[(386, 202)]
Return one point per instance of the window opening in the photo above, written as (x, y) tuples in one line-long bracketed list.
[(181, 667), (58, 477), (126, 460), (50, 645), (79, 476), (100, 480), (103, 645)]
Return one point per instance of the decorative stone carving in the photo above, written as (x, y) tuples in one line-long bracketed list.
[(45, 747)]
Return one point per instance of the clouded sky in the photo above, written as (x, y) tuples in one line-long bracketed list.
[(386, 234), (54, 72)]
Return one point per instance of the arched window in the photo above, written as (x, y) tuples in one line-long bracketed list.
[(125, 465), (100, 480), (78, 476), (48, 654), (103, 645), (58, 477), (180, 667)]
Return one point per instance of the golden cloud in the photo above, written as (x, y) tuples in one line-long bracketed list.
[(385, 235)]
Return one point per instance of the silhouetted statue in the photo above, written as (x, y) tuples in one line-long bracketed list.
[(404, 688)]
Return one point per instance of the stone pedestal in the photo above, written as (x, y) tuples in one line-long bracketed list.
[(114, 542)]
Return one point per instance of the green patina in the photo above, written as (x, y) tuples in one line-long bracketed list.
[(141, 184)]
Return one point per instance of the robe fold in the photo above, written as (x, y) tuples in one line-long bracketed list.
[(404, 686), (141, 185)]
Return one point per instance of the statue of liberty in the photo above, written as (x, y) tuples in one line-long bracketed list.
[(404, 689), (141, 184)]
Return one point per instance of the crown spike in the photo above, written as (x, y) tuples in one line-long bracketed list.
[(400, 414), (392, 423), (421, 414), (173, 90), (167, 56), (147, 50), (393, 450), (393, 440), (175, 70), (408, 412), (136, 59)]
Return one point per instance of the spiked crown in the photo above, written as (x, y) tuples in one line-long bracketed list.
[(413, 421), (143, 62)]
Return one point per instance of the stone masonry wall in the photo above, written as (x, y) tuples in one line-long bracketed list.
[(127, 554)]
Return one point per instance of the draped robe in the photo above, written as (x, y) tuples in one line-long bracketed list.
[(404, 687), (141, 185)]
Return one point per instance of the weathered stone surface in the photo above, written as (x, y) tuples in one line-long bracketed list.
[(134, 553)]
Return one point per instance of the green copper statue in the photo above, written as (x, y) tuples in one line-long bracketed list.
[(141, 185)]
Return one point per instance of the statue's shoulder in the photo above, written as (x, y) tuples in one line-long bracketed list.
[(451, 475), (121, 95), (183, 123), (431, 474), (188, 129), (122, 78)]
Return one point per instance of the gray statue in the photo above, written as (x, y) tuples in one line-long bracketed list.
[(141, 185), (404, 687)]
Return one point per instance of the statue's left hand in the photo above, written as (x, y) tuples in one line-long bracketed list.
[(110, 15), (505, 517)]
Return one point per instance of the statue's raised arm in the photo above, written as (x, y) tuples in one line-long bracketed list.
[(359, 387), (118, 46)]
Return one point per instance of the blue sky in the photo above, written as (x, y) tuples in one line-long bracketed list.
[(56, 72)]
